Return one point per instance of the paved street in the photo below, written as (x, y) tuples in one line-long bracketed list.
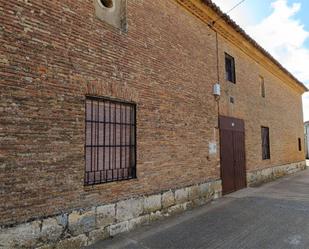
[(275, 215)]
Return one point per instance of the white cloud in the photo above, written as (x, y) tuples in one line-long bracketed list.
[(284, 37), (242, 15)]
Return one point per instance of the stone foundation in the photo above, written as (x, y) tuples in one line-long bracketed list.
[(84, 227), (265, 175)]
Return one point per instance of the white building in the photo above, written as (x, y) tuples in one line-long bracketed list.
[(307, 138)]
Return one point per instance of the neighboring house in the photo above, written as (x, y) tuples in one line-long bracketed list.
[(108, 117), (307, 139)]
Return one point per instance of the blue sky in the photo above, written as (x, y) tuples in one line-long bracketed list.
[(262, 9), (282, 28)]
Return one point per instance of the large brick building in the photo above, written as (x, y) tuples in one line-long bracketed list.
[(108, 117)]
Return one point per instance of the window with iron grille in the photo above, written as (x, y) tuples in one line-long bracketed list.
[(110, 147), (230, 68), (265, 143)]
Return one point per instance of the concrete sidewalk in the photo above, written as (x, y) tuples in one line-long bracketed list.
[(275, 215)]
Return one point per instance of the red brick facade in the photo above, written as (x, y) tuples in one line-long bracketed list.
[(54, 53)]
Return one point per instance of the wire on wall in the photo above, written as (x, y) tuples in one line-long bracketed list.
[(211, 26), (228, 12)]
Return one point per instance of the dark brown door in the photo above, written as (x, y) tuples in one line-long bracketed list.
[(232, 151)]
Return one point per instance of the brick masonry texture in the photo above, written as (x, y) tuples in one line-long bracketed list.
[(280, 110), (54, 53), (84, 227)]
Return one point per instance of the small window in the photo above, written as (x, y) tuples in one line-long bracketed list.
[(299, 144), (230, 68), (232, 100), (110, 146), (262, 86), (265, 143), (107, 3)]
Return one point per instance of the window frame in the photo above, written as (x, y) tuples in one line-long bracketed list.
[(133, 167), (233, 68), (266, 155)]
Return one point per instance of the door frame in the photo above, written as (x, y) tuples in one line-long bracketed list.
[(237, 125)]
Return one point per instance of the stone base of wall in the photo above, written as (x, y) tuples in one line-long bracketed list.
[(265, 175), (84, 227)]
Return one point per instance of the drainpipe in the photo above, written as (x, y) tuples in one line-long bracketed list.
[(218, 71), (217, 89)]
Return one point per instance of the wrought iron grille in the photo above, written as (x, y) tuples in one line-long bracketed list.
[(110, 147)]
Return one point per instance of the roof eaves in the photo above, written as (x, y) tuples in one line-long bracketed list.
[(238, 29)]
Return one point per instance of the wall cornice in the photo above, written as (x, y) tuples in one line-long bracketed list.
[(230, 31)]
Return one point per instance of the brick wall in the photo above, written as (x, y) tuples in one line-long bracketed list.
[(280, 110), (54, 53)]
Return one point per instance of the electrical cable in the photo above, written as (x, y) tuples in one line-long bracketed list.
[(238, 4), (211, 26)]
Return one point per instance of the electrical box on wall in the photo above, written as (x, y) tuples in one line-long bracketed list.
[(113, 12), (217, 89)]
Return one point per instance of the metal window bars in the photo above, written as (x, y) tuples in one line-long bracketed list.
[(110, 147)]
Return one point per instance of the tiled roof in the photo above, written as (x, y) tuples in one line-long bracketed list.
[(238, 29)]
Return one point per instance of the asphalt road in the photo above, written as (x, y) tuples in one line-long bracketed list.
[(275, 215)]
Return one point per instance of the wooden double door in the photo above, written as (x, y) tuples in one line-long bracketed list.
[(232, 154)]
